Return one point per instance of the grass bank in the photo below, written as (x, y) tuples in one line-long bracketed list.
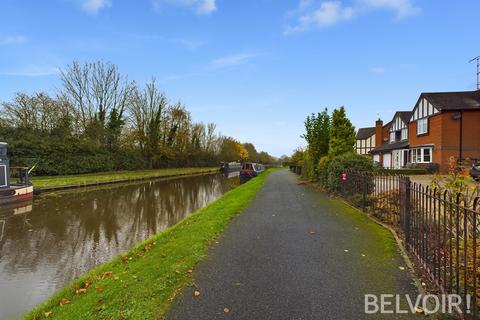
[(141, 283), (106, 177)]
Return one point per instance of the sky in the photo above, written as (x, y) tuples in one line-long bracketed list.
[(256, 68)]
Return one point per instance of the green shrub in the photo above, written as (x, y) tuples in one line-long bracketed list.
[(343, 163), (322, 169)]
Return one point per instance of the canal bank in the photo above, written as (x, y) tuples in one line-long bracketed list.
[(55, 183), (140, 283)]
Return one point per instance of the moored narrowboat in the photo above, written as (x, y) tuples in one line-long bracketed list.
[(250, 170), (20, 190)]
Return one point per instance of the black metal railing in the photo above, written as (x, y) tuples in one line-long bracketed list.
[(439, 229)]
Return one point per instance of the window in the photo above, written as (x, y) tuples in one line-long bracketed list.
[(422, 126), (422, 155), (404, 134), (392, 137)]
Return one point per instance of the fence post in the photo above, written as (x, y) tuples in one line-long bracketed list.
[(364, 191), (405, 209)]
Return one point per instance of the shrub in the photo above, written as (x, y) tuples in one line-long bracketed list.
[(342, 163), (322, 169)]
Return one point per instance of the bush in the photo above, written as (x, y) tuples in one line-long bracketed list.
[(322, 169), (342, 163)]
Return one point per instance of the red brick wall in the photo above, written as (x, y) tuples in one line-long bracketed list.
[(434, 137), (444, 134), (451, 136)]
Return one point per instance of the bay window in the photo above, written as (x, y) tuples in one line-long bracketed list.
[(422, 126)]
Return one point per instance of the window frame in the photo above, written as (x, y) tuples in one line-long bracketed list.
[(418, 155), (425, 126)]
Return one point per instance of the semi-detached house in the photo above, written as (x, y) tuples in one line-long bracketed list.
[(441, 125)]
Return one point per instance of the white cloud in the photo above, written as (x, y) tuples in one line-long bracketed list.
[(314, 14), (32, 71), (13, 39), (402, 8), (94, 6), (233, 60), (377, 70), (201, 6)]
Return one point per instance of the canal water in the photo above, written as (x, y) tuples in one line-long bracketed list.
[(47, 244)]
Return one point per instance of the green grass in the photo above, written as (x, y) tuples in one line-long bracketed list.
[(141, 283), (81, 179)]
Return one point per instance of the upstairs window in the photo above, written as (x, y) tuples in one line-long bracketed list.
[(422, 126), (404, 134), (392, 137)]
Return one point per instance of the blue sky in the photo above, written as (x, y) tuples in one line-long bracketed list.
[(257, 68)]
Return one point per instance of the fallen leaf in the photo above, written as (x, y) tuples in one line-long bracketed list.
[(81, 291), (313, 232), (106, 274), (99, 289), (64, 301), (419, 310), (345, 250), (401, 268), (226, 310), (196, 293), (189, 270), (116, 277), (87, 283), (364, 255), (47, 314), (124, 258)]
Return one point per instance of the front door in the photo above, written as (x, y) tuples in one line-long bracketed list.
[(387, 160), (397, 159)]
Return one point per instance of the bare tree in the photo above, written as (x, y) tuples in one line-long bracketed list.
[(96, 90), (147, 111), (38, 112)]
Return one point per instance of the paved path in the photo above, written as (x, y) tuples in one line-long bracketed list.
[(284, 258)]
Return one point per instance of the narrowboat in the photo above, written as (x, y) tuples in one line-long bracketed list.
[(250, 170), (19, 191), (229, 169)]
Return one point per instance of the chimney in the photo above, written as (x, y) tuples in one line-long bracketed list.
[(378, 133)]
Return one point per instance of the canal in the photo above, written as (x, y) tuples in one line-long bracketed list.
[(45, 245)]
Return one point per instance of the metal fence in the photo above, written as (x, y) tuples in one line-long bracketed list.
[(439, 229)]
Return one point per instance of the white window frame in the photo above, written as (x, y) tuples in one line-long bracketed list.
[(404, 134), (4, 168), (392, 136), (422, 126), (418, 155)]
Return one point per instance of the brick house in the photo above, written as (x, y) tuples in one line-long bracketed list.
[(440, 126), (445, 125)]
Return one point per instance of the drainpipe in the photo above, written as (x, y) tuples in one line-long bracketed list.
[(459, 116)]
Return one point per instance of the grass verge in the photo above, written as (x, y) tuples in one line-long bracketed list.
[(118, 176), (141, 283)]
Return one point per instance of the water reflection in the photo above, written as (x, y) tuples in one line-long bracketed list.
[(64, 235)]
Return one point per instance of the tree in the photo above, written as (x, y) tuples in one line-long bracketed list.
[(317, 135), (147, 110), (342, 134), (232, 150), (252, 152), (100, 95)]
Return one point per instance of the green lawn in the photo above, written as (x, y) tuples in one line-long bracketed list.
[(81, 179), (141, 283)]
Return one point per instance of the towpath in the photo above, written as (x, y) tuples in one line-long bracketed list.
[(295, 254)]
